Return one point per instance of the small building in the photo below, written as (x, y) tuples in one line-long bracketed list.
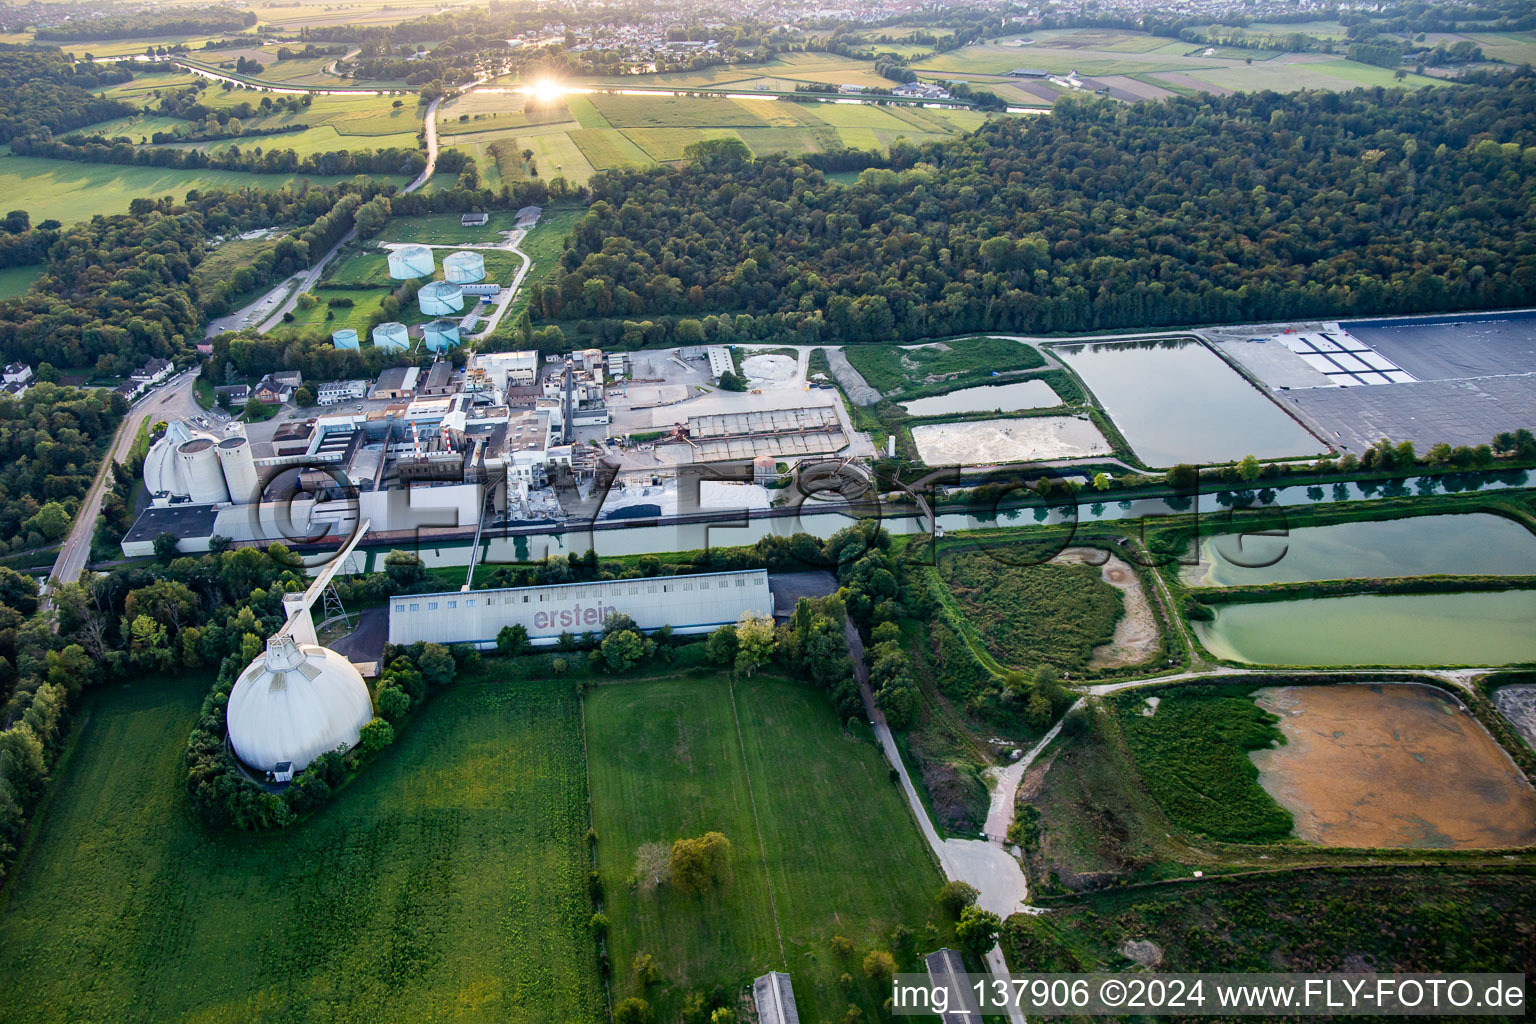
[(440, 335), (439, 298), (277, 388), (232, 395), (774, 996), (16, 373), (1029, 73), (439, 380), (509, 369), (151, 373), (481, 289), (615, 365), (391, 336), (345, 339), (850, 90), (410, 261), (474, 220), (765, 470), (396, 382), (337, 391), (720, 361)]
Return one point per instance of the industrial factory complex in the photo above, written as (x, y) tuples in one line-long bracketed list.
[(511, 438)]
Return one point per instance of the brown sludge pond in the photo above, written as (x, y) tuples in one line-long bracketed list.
[(1392, 765)]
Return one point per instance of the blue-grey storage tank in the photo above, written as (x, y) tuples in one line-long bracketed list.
[(346, 338), (391, 336), (440, 334), (464, 267), (410, 261), (439, 298)]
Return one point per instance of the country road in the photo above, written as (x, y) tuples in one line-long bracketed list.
[(286, 295), (76, 550)]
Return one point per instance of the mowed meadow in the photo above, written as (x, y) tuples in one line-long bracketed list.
[(822, 843), (449, 883)]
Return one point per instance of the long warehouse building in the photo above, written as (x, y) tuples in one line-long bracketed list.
[(689, 604)]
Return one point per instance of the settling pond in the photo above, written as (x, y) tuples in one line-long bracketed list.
[(1177, 401), (1475, 544), (1024, 394), (1464, 628)]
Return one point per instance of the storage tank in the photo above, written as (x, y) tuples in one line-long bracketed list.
[(346, 338), (239, 470), (463, 267), (391, 336), (440, 334), (200, 471), (591, 359), (439, 298), (410, 261)]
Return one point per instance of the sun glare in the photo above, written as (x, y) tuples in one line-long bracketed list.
[(546, 89)]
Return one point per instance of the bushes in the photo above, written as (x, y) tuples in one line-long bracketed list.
[(1192, 756)]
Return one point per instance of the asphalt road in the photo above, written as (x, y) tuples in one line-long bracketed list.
[(169, 401)]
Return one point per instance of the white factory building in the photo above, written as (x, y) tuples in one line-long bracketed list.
[(689, 604)]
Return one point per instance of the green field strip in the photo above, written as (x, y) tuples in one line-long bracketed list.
[(585, 113), (609, 148)]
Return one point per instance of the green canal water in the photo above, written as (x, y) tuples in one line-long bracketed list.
[(1494, 628), (1475, 544)]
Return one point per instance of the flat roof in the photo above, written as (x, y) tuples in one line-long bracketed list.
[(182, 521), (594, 583)]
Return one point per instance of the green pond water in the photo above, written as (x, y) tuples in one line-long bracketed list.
[(1024, 394), (1495, 628), (1475, 544)]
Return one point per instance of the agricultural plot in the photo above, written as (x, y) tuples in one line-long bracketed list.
[(663, 144), (989, 59), (445, 229), (447, 883), (821, 843), (1290, 75), (890, 368), (70, 192), (1030, 615), (606, 149), (623, 111)]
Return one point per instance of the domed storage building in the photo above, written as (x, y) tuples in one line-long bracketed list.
[(464, 267), (346, 338), (293, 704), (440, 334), (391, 336), (439, 298), (410, 261)]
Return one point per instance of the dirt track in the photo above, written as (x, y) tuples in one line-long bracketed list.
[(1136, 637)]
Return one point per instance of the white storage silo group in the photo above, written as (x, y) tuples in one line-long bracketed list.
[(201, 473), (239, 465)]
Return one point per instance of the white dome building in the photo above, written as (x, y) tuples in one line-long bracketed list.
[(294, 703)]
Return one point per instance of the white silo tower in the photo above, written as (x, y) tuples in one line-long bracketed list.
[(345, 339), (239, 470), (391, 336), (410, 261), (439, 298), (464, 267), (200, 471)]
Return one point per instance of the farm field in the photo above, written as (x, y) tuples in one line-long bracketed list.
[(70, 192), (16, 281), (445, 229), (447, 883), (821, 843), (890, 368)]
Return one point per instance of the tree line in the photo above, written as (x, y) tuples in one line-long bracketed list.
[(43, 90), (1102, 216), (252, 160), (149, 24)]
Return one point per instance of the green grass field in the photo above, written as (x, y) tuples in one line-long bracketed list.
[(821, 842), (444, 229), (623, 111), (887, 368), (544, 245), (448, 883), (16, 281), (606, 149), (70, 192)]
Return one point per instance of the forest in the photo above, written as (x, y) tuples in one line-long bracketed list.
[(150, 24), (51, 439), (1102, 216), (40, 89), (255, 160)]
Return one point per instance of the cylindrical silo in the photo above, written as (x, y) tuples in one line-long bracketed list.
[(200, 471), (410, 261), (391, 336), (239, 470), (440, 334), (346, 338), (439, 298), (463, 267)]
